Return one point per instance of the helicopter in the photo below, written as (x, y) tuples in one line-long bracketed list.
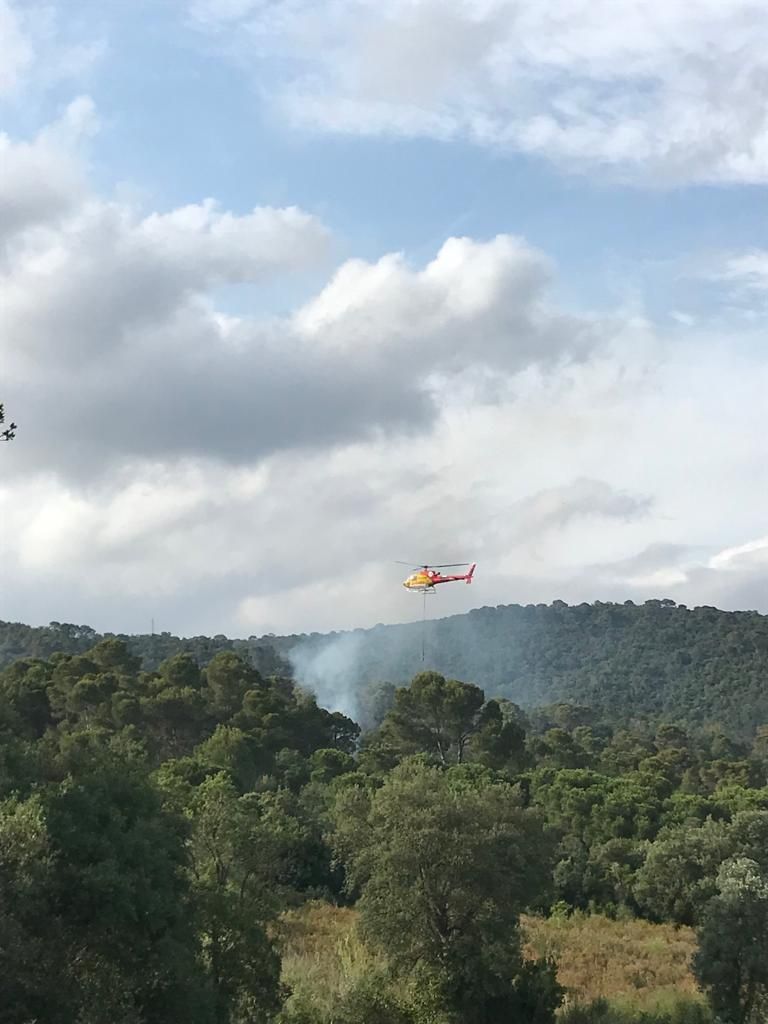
[(425, 578)]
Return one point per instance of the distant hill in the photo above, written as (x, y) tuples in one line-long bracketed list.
[(20, 641), (699, 665)]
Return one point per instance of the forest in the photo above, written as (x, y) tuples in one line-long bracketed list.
[(169, 832), (659, 660)]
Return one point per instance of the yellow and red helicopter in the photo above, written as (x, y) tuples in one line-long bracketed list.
[(425, 578)]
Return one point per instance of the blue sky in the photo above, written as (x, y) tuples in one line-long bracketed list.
[(518, 311), (181, 121)]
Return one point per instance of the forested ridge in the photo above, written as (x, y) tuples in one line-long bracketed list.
[(698, 666), (18, 640), (157, 826)]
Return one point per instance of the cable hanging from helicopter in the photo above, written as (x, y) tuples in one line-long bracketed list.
[(425, 578)]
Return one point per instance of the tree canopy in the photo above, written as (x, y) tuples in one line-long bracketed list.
[(658, 661), (156, 822)]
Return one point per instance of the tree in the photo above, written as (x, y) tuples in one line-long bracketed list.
[(446, 860), (117, 889), (174, 719), (679, 875), (343, 731), (95, 924), (181, 672), (233, 751), (228, 678), (327, 765), (732, 960), (234, 861), (114, 655), (500, 739), (559, 749), (29, 985), (9, 432), (24, 696), (373, 703), (435, 715)]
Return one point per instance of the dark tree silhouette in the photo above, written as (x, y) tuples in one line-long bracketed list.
[(9, 432)]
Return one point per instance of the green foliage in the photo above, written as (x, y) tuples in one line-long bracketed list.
[(95, 924), (678, 878), (452, 722), (228, 678), (156, 820), (149, 836), (437, 715), (235, 752), (602, 1012), (370, 1000), (499, 740), (20, 641), (373, 1000), (535, 995), (622, 661), (732, 960), (445, 861), (658, 660), (25, 861), (233, 863), (327, 765)]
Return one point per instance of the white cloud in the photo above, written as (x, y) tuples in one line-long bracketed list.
[(684, 319), (665, 92), (748, 271), (753, 554), (15, 48), (475, 303), (555, 507), (247, 474), (550, 492), (216, 12), (42, 43), (43, 180), (108, 318)]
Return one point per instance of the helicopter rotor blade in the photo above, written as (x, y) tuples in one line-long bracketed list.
[(430, 565)]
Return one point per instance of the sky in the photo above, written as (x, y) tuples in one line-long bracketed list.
[(292, 290)]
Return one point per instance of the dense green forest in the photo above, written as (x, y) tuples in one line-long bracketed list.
[(18, 640), (662, 660), (157, 824), (696, 665)]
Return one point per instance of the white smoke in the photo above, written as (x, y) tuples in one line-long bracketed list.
[(330, 668)]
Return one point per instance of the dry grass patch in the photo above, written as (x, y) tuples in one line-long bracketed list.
[(634, 964), (323, 956)]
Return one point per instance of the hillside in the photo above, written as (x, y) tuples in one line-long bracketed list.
[(18, 640), (699, 665), (156, 826), (658, 659)]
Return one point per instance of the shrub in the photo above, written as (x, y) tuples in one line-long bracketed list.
[(602, 1012)]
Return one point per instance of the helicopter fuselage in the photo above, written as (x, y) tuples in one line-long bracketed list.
[(427, 579)]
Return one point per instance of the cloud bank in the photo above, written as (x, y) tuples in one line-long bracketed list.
[(109, 326), (244, 472), (666, 93)]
